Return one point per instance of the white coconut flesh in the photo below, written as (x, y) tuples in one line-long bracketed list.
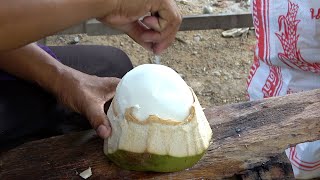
[(154, 111)]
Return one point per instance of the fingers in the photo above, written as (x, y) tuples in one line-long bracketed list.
[(169, 20), (99, 122), (103, 131), (163, 28), (95, 112), (150, 39), (152, 22), (136, 32), (159, 40), (96, 115)]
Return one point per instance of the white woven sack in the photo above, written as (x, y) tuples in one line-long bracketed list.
[(287, 60), (305, 160)]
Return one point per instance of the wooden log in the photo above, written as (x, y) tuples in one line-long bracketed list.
[(248, 142)]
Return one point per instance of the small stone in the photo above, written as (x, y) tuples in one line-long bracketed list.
[(214, 1), (155, 59), (184, 2), (235, 32), (216, 73), (248, 62), (62, 39), (194, 53), (236, 76), (181, 40), (86, 174), (207, 10), (197, 38), (121, 44), (252, 33), (75, 40)]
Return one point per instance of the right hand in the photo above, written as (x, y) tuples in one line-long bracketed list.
[(163, 27)]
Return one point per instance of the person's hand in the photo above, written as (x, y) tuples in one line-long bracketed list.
[(87, 95), (164, 22)]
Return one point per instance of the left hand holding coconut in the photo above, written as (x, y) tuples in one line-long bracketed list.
[(157, 122), (87, 94)]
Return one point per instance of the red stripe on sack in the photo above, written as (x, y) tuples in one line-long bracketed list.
[(279, 87), (252, 72), (300, 165), (291, 153), (304, 169), (267, 33), (273, 83), (316, 162), (294, 156), (259, 29), (268, 29)]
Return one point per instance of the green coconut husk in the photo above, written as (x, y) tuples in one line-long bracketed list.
[(152, 162)]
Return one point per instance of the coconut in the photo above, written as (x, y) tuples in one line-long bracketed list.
[(157, 122)]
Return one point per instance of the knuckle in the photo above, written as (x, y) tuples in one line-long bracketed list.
[(179, 18)]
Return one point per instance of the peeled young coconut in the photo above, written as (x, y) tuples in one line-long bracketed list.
[(157, 122)]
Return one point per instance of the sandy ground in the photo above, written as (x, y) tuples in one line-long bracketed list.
[(215, 67)]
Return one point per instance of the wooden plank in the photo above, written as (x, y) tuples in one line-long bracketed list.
[(248, 141), (223, 21), (192, 22)]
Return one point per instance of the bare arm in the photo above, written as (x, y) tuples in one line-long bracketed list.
[(23, 22), (33, 64)]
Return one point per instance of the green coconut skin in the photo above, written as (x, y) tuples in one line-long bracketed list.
[(152, 162)]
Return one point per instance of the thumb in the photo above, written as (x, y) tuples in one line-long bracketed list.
[(152, 22), (99, 121)]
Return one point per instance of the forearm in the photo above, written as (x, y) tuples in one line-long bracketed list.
[(33, 64), (23, 22)]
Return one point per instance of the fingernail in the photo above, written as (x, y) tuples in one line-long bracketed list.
[(103, 131)]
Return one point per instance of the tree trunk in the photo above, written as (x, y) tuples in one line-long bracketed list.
[(248, 142)]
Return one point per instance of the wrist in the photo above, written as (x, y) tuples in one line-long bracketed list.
[(67, 83), (54, 80)]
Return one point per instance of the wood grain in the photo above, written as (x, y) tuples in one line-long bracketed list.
[(248, 143)]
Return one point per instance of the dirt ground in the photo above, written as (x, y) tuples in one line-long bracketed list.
[(215, 67)]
